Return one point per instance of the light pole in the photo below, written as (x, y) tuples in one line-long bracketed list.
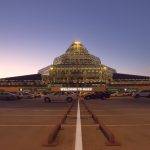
[(51, 74), (105, 69), (104, 77)]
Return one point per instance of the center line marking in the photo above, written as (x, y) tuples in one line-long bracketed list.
[(78, 140)]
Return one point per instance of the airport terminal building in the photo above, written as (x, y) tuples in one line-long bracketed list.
[(75, 68)]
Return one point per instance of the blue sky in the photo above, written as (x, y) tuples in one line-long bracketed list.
[(34, 32)]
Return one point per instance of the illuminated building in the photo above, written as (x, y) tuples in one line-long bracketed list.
[(77, 66)]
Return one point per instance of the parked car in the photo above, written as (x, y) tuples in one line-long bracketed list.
[(96, 95), (83, 94), (19, 95), (143, 93), (127, 93), (61, 96), (7, 96), (117, 94), (37, 95), (27, 95)]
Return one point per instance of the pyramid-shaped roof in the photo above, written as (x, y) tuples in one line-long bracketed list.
[(77, 48), (77, 54)]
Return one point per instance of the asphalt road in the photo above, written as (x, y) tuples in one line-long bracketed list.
[(26, 124), (127, 118)]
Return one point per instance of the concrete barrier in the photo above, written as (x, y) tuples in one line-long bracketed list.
[(95, 119), (51, 139), (111, 140), (68, 111)]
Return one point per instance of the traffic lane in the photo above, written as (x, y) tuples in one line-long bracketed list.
[(123, 112), (120, 102), (129, 138), (66, 136), (23, 120), (132, 137), (35, 111), (123, 125), (123, 116), (92, 138), (23, 138), (30, 138), (32, 107), (32, 103), (65, 139), (28, 116), (124, 119), (109, 104), (125, 108), (120, 112), (24, 125)]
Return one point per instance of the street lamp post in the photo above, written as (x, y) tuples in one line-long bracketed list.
[(51, 74), (104, 73)]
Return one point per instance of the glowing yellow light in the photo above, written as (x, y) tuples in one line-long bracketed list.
[(77, 42), (105, 68), (51, 68)]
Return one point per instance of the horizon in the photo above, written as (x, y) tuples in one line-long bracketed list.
[(51, 62), (34, 32)]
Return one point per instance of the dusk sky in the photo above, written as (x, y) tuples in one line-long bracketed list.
[(34, 32)]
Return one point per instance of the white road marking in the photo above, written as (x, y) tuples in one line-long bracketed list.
[(27, 109), (31, 115), (25, 125), (122, 109), (72, 125), (49, 110), (78, 139), (118, 115), (43, 125), (126, 125), (109, 125), (83, 125)]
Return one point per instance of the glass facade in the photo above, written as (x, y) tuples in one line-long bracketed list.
[(77, 66)]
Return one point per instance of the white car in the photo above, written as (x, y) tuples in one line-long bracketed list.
[(27, 95), (117, 94), (65, 97), (143, 93)]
